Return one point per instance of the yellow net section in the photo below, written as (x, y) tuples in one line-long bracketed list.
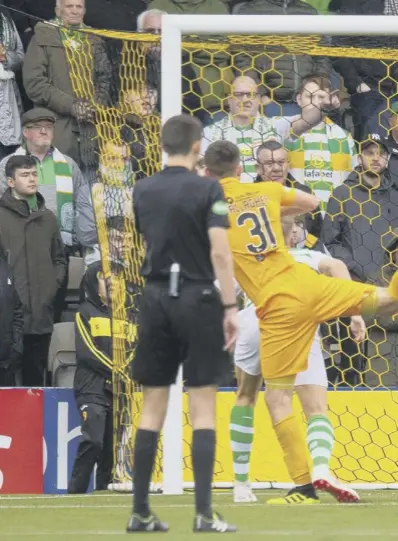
[(116, 81)]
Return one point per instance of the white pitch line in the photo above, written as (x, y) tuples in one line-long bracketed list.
[(114, 495), (265, 533), (189, 505)]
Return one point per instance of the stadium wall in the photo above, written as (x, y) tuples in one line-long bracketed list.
[(40, 430)]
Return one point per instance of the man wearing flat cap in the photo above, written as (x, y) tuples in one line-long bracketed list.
[(59, 177)]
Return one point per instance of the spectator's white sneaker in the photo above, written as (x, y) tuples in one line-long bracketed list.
[(243, 493), (324, 481)]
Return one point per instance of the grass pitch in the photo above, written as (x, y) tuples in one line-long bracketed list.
[(103, 517)]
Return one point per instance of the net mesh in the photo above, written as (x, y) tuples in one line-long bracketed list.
[(119, 145)]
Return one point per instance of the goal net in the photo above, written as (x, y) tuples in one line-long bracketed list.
[(120, 145)]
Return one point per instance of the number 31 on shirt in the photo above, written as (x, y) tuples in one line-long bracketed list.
[(262, 237)]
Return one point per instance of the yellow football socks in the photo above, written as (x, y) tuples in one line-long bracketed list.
[(292, 441)]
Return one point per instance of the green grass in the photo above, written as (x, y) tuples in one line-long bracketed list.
[(103, 517)]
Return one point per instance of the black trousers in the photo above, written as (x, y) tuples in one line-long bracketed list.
[(351, 371), (34, 359), (96, 447), (7, 377)]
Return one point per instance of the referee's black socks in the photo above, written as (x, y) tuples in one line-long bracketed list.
[(146, 444), (203, 457)]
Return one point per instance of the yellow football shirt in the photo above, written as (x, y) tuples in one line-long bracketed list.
[(255, 233)]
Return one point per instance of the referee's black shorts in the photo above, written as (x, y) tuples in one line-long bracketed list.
[(187, 330)]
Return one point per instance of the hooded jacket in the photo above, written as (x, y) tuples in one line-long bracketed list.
[(94, 343), (359, 222), (94, 351), (36, 251), (11, 315), (283, 73)]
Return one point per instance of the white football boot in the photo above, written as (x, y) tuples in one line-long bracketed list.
[(243, 493), (324, 481)]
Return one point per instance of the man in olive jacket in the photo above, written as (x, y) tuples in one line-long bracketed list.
[(49, 80), (30, 234)]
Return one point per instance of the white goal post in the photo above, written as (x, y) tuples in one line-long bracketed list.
[(173, 27)]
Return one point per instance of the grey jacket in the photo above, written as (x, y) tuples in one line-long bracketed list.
[(285, 73), (359, 224)]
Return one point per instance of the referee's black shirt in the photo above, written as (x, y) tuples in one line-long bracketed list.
[(174, 210)]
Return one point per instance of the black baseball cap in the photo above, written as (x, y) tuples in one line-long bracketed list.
[(36, 114), (374, 139)]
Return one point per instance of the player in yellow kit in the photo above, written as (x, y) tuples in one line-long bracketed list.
[(291, 299)]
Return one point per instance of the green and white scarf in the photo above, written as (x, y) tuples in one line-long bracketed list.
[(70, 35), (77, 46), (64, 188)]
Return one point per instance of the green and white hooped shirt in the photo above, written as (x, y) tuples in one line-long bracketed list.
[(322, 158), (248, 138)]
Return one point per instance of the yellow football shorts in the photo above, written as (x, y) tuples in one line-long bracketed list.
[(296, 302)]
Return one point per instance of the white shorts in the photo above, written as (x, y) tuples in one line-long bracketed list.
[(247, 352)]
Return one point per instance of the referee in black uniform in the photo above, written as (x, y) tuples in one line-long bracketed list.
[(183, 219)]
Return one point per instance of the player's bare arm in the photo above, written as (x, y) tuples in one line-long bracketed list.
[(303, 202), (221, 258), (338, 269)]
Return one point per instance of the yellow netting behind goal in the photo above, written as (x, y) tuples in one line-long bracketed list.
[(116, 80)]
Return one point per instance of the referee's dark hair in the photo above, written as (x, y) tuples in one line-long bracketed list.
[(222, 159), (180, 133)]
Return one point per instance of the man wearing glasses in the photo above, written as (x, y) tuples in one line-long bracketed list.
[(248, 128)]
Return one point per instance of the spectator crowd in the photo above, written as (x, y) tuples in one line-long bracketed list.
[(78, 125)]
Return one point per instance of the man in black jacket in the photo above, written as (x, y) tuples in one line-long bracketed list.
[(368, 81), (11, 324), (360, 217), (362, 212), (93, 385), (31, 235), (273, 165)]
